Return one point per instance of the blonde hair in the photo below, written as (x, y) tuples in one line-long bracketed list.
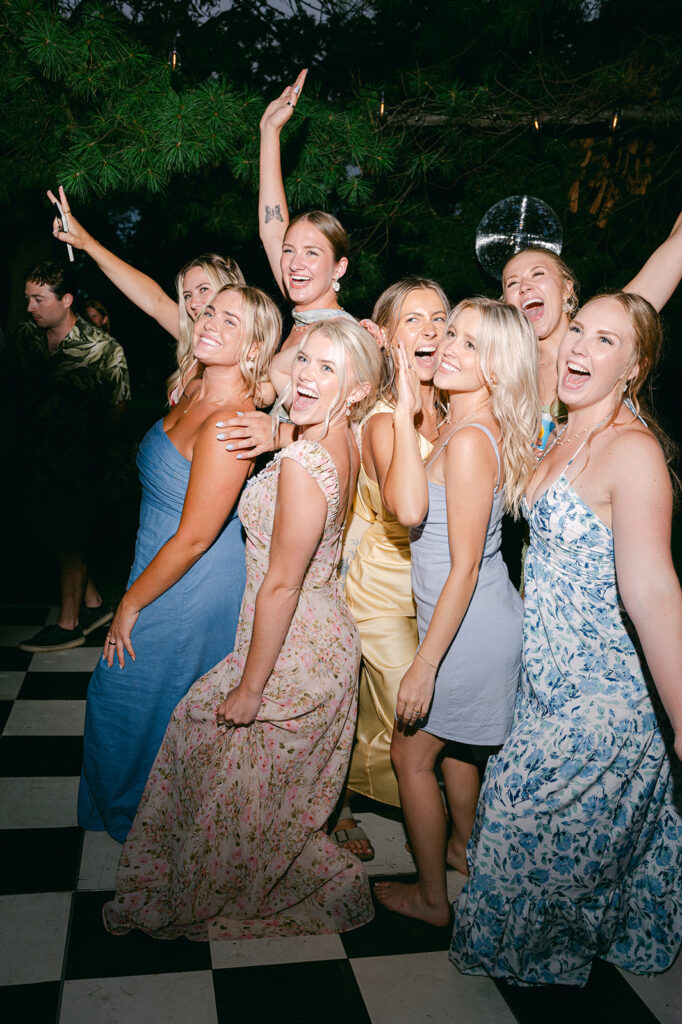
[(507, 351), (564, 271), (261, 325), (386, 314), (352, 342), (220, 271)]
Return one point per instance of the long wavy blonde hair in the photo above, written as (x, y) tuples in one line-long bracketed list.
[(507, 351), (220, 271), (353, 343)]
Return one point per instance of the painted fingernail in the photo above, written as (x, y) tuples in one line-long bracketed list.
[(221, 437), (240, 456), (297, 89), (221, 424), (229, 447), (239, 413)]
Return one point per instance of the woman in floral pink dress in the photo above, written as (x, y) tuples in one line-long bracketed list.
[(229, 838)]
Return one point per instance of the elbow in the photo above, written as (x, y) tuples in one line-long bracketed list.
[(410, 515)]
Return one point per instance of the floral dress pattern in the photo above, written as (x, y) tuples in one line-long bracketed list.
[(577, 847), (229, 838)]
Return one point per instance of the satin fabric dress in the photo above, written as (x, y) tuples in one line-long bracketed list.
[(378, 590), (181, 634)]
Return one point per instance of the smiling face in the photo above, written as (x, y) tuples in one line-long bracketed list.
[(596, 355), (196, 291), (532, 282), (420, 327), (318, 381), (458, 366), (309, 268), (218, 331)]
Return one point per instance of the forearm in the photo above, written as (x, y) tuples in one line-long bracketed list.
[(656, 613), (447, 616), (275, 607), (405, 491), (168, 566), (136, 286), (661, 274), (271, 193)]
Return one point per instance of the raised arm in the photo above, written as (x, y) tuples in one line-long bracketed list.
[(470, 471), (662, 272), (215, 481), (300, 516), (273, 214), (641, 503), (136, 286), (397, 458)]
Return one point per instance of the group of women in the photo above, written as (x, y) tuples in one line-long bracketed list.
[(225, 790)]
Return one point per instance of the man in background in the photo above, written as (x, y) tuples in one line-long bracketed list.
[(69, 382)]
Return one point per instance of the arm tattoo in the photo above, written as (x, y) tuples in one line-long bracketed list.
[(272, 213)]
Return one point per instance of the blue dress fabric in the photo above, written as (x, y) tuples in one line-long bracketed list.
[(577, 847), (177, 638), (478, 677)]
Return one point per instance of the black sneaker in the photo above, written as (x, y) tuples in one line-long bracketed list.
[(53, 638), (91, 618)]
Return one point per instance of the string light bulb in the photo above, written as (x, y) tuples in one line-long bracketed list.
[(174, 57), (382, 106), (615, 120), (536, 124)]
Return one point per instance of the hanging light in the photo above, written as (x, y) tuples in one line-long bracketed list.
[(173, 61), (536, 124), (382, 106), (615, 120)]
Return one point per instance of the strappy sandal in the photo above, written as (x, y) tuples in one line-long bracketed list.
[(341, 836)]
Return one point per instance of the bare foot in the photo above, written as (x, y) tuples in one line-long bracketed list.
[(408, 901), (361, 848), (457, 858)]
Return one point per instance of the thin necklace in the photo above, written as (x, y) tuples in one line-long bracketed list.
[(473, 412), (560, 439)]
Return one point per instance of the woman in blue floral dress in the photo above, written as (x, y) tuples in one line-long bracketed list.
[(577, 847)]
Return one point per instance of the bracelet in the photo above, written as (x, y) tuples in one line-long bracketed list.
[(430, 664)]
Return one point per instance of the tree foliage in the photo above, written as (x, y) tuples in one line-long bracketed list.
[(91, 102)]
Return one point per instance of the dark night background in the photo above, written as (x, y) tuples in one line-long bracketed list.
[(462, 84)]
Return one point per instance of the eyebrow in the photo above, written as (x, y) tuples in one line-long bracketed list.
[(420, 312)]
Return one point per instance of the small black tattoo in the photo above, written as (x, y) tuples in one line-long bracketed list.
[(272, 213)]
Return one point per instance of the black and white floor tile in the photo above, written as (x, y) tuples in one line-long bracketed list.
[(59, 966)]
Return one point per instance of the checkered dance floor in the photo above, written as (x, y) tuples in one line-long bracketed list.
[(59, 966)]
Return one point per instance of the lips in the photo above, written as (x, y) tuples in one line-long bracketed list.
[(304, 398), (426, 354), (576, 375), (533, 309), (298, 281), (446, 367), (208, 341)]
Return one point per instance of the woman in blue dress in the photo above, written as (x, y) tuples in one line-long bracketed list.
[(179, 614), (577, 848)]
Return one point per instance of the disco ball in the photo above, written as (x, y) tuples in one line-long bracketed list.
[(513, 224)]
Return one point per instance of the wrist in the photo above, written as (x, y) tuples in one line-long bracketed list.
[(427, 661)]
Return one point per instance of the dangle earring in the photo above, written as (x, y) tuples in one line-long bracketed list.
[(348, 405), (336, 286)]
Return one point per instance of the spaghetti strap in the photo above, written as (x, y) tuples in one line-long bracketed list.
[(492, 440)]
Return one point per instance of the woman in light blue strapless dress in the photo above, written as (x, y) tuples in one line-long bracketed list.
[(179, 614)]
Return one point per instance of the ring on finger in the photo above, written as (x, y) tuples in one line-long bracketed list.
[(112, 643)]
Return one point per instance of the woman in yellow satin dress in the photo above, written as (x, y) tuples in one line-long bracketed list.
[(378, 588)]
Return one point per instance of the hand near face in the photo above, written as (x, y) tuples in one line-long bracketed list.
[(409, 391)]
